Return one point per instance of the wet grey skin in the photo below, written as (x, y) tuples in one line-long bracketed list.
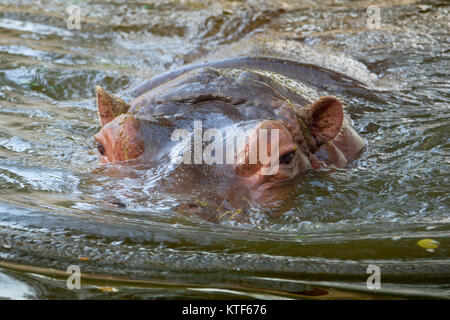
[(303, 72), (236, 93)]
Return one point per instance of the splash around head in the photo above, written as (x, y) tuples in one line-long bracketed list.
[(301, 133)]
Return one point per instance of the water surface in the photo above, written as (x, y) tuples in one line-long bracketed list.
[(52, 188)]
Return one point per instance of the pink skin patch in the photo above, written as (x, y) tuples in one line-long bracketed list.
[(119, 140), (291, 161)]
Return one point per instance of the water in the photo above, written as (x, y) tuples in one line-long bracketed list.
[(53, 212)]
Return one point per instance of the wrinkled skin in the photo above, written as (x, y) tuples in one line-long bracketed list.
[(312, 134)]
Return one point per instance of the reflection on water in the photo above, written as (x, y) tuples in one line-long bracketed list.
[(53, 211)]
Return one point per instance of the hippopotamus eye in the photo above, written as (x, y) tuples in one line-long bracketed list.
[(287, 158), (101, 149)]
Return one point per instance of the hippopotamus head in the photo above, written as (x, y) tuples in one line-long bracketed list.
[(299, 135)]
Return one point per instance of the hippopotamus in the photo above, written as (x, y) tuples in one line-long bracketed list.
[(241, 91)]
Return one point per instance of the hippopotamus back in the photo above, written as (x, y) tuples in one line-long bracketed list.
[(289, 58)]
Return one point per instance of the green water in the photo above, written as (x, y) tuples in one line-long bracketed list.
[(339, 221)]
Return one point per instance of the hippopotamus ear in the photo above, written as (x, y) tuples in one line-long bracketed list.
[(325, 119), (109, 106)]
